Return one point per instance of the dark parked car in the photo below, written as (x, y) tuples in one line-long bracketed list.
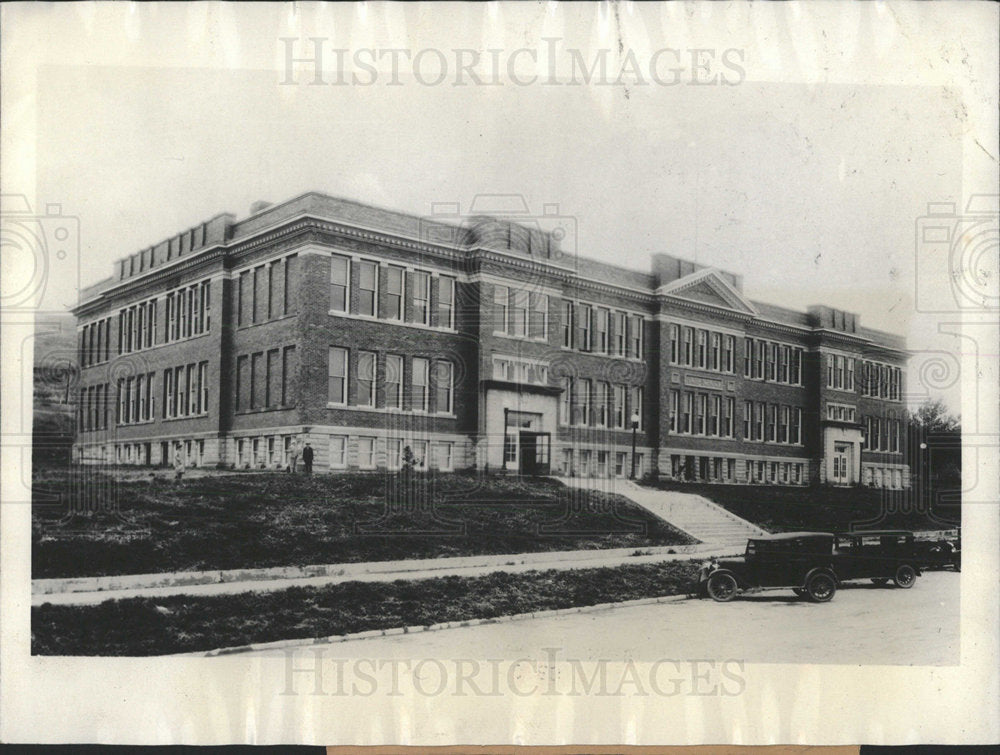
[(813, 564), (802, 561), (940, 554), (878, 555)]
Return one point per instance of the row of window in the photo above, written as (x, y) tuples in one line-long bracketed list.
[(265, 452), (881, 380), (723, 469), (878, 477), (518, 370), (586, 402), (520, 313), (772, 423), (266, 291), (704, 349), (95, 342), (188, 311), (600, 330), (772, 362), (709, 414), (390, 292), (265, 379), (840, 372), (135, 399), (92, 408), (841, 413), (586, 462), (438, 455), (881, 434), (137, 327), (402, 388), (185, 391)]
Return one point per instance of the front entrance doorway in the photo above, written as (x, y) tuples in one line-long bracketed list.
[(841, 463), (534, 450)]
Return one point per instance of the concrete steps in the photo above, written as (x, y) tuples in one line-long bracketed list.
[(694, 514)]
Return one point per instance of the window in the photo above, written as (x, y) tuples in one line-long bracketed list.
[(255, 307), (687, 399), (714, 412), (444, 387), (422, 298), (420, 454), (772, 422), (287, 375), (271, 378), (255, 382), (393, 381), (583, 327), (674, 406), (446, 302), (675, 338), (203, 385), (728, 417), (760, 348), (849, 375), (367, 288), (772, 368), (586, 398), (394, 292), (795, 431), (635, 337), (338, 451), (565, 400), (620, 335), (443, 456), (759, 421), (728, 353), (701, 409), (366, 453), (518, 315), (501, 297), (601, 398), (747, 420), (702, 347), (619, 407), (783, 358), (715, 351), (601, 325), (795, 367), (394, 453), (419, 392), (635, 403), (366, 378), (567, 324), (783, 425), (337, 376), (581, 391), (243, 299), (538, 316)]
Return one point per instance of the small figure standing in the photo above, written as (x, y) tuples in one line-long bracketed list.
[(307, 459), (293, 462), (178, 462)]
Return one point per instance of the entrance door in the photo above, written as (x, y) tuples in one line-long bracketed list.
[(841, 463), (534, 453)]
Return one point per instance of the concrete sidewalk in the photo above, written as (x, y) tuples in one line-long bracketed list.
[(92, 590)]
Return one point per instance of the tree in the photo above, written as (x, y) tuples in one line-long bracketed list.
[(933, 417)]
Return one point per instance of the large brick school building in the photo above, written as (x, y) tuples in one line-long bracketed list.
[(476, 344)]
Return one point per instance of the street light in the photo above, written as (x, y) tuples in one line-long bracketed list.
[(635, 428)]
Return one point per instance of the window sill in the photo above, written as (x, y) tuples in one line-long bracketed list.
[(263, 410), (388, 410), (202, 415), (388, 321)]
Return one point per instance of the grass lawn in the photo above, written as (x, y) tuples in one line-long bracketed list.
[(146, 626), (787, 509), (233, 521)]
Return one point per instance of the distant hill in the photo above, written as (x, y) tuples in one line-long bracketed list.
[(54, 386)]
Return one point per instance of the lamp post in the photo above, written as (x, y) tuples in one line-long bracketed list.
[(635, 429)]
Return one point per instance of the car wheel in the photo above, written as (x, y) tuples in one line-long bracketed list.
[(880, 581), (722, 587), (906, 575), (821, 587)]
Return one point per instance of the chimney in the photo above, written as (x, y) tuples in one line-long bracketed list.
[(259, 205)]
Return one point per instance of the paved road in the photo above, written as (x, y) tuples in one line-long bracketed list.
[(862, 625)]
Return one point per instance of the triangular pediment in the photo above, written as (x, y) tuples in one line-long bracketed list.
[(709, 287)]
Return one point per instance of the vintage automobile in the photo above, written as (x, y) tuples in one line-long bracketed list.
[(878, 555), (940, 553), (802, 561), (813, 564)]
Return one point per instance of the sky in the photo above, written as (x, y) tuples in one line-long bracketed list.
[(812, 191)]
